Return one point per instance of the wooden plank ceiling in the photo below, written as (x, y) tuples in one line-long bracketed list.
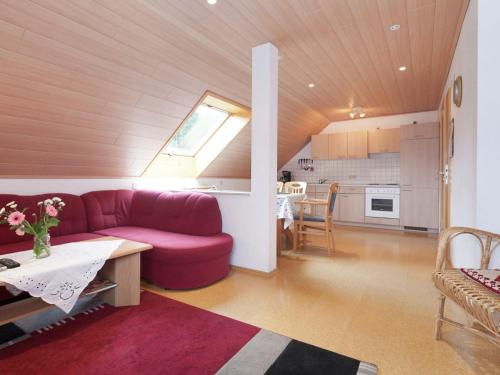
[(94, 88)]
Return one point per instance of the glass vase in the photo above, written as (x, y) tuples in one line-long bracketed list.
[(41, 245)]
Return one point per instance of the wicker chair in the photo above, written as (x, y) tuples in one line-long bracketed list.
[(480, 303)]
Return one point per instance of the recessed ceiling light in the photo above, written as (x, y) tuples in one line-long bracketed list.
[(395, 27), (402, 68), (311, 85), (212, 2), (362, 114), (351, 114)]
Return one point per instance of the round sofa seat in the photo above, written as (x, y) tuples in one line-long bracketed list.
[(179, 261)]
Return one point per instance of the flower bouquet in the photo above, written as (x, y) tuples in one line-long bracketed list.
[(39, 227)]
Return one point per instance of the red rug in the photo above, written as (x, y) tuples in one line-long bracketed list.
[(161, 336)]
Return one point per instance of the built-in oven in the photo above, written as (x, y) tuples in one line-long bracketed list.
[(382, 202)]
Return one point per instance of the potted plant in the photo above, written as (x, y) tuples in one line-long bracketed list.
[(39, 227)]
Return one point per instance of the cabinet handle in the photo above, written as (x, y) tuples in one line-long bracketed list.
[(407, 185)]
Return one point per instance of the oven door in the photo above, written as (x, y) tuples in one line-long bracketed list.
[(382, 205)]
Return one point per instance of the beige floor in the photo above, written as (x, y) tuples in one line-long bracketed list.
[(373, 300)]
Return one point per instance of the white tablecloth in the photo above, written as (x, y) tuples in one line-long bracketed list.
[(60, 278), (286, 208)]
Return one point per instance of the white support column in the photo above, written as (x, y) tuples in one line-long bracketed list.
[(264, 153)]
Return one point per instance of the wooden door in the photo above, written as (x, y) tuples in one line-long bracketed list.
[(419, 163), (352, 208), (337, 146), (383, 140), (444, 161), (319, 146), (357, 145), (419, 207)]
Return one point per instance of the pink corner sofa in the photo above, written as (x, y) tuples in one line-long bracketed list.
[(185, 229)]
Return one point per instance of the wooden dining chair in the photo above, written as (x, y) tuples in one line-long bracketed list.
[(295, 187), (279, 186), (316, 225)]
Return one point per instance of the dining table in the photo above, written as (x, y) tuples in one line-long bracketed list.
[(286, 209)]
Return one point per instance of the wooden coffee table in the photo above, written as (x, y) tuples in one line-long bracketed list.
[(123, 268)]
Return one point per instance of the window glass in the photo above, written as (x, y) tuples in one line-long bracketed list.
[(196, 130)]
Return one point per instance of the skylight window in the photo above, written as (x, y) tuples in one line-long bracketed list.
[(196, 130), (208, 129)]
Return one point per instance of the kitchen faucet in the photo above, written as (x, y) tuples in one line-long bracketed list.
[(322, 180)]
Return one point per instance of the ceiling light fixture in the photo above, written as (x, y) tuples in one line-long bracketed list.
[(212, 2), (395, 27), (357, 111), (402, 68), (311, 85)]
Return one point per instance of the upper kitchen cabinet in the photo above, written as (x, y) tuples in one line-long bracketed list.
[(384, 140), (319, 147), (338, 146), (357, 145), (420, 131)]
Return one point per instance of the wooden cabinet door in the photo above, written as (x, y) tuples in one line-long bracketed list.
[(420, 131), (319, 146), (393, 137), (419, 207), (420, 163), (352, 208), (338, 145), (383, 140), (357, 145)]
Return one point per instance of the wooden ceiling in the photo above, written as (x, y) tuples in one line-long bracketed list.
[(94, 88)]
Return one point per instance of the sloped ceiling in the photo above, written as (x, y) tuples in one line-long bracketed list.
[(94, 88)]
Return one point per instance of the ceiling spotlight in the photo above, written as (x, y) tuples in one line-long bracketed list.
[(395, 27), (357, 111), (402, 68), (311, 85), (212, 2)]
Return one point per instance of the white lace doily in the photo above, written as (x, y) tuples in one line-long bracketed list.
[(60, 278)]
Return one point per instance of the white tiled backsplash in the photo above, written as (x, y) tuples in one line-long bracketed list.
[(379, 168)]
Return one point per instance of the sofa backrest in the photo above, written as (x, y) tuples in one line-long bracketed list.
[(108, 208), (73, 217), (181, 212)]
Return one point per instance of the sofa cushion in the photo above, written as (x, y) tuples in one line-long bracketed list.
[(73, 217), (175, 248), (108, 208), (28, 245), (181, 212)]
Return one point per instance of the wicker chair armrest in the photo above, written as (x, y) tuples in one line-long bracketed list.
[(485, 239)]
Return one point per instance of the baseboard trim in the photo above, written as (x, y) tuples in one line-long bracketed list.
[(253, 272)]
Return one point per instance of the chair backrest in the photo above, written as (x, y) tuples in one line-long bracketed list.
[(295, 187), (279, 186), (332, 197)]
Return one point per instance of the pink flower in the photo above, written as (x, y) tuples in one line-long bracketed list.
[(20, 232), (16, 218), (51, 211)]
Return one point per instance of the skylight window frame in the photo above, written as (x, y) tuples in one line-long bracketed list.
[(200, 102)]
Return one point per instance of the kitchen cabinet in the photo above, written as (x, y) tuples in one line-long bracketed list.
[(420, 131), (419, 207), (357, 145), (337, 146), (352, 208), (319, 147), (419, 163), (384, 140), (419, 200)]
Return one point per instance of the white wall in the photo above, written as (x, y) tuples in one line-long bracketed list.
[(475, 201), (393, 121), (70, 186)]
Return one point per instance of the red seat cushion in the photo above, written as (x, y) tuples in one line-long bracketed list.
[(181, 212), (28, 245), (175, 248), (73, 217), (108, 208)]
